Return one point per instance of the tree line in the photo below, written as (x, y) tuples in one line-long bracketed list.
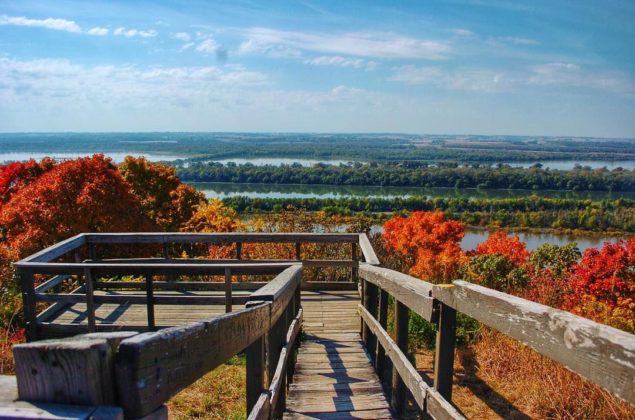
[(414, 174)]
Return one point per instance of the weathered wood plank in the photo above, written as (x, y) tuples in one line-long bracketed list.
[(140, 299), (12, 408), (408, 374), (55, 251), (412, 292), (180, 285), (603, 355), (51, 283), (54, 371), (105, 269), (367, 250), (262, 408), (279, 291), (344, 415), (219, 238), (152, 367)]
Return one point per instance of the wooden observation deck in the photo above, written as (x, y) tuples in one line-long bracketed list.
[(125, 333)]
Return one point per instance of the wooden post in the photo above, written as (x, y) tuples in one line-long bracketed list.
[(28, 300), (239, 250), (362, 297), (380, 363), (150, 302), (77, 370), (298, 251), (398, 397), (354, 258), (228, 290), (92, 253), (255, 371), (90, 301), (444, 356), (371, 306), (166, 251)]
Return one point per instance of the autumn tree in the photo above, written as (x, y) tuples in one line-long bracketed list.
[(16, 175), (164, 198), (502, 244), (81, 195), (429, 242)]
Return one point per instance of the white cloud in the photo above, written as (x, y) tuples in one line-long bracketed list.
[(462, 32), (182, 36), (49, 23), (518, 40), (362, 44), (207, 46), (129, 33), (339, 61), (98, 31), (562, 75), (470, 79)]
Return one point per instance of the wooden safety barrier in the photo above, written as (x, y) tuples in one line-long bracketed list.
[(599, 353), (140, 372), (91, 272)]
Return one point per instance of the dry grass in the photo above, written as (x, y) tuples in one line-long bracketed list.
[(218, 395), (498, 377)]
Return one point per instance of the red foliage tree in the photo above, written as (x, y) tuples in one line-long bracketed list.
[(164, 198), (430, 242), (17, 175), (607, 274), (510, 247), (82, 195)]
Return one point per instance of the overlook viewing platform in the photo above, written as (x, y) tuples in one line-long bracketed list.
[(119, 323)]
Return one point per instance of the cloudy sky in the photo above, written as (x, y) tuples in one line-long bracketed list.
[(446, 67)]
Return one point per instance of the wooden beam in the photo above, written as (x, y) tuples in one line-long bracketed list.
[(398, 396), (408, 374), (279, 291), (180, 286), (71, 371), (219, 238), (105, 269), (153, 367), (262, 408), (602, 354), (410, 291), (228, 290), (367, 250), (275, 389), (55, 251), (51, 283), (444, 354)]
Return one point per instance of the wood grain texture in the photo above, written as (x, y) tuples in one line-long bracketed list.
[(603, 355), (367, 250), (152, 367), (333, 377), (412, 292)]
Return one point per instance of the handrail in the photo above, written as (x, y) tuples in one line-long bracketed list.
[(46, 262), (601, 354), (140, 372), (55, 251)]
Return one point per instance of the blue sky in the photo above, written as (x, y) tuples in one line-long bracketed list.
[(444, 67)]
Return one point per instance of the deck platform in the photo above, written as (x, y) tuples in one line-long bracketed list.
[(334, 378)]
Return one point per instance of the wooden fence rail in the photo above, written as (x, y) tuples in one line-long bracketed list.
[(91, 272), (599, 353), (140, 372)]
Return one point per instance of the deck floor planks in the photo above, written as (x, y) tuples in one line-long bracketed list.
[(135, 315), (334, 378)]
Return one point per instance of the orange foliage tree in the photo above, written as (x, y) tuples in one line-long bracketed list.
[(17, 175), (499, 243), (430, 243), (81, 195), (164, 198)]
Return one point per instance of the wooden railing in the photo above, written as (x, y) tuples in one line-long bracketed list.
[(139, 372), (601, 354), (90, 271)]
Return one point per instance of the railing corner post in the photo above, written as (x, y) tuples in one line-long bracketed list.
[(255, 371), (398, 397)]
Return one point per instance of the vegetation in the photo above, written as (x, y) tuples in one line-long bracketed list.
[(523, 212), (44, 202), (357, 147), (415, 174)]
